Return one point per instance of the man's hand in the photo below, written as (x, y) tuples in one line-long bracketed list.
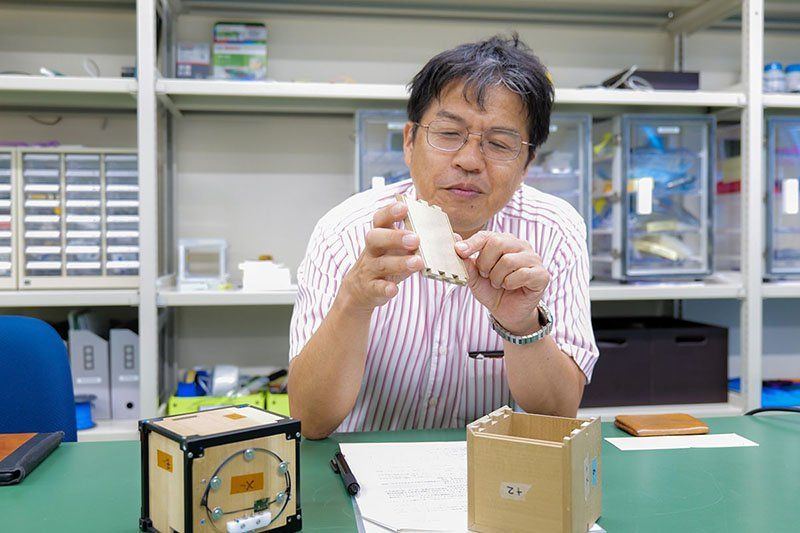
[(388, 258), (506, 277)]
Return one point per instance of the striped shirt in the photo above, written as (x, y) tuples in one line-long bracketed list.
[(418, 373)]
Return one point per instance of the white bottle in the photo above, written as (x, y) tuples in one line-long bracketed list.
[(774, 78), (793, 78)]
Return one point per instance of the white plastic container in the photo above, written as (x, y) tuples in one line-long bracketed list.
[(262, 276), (793, 78), (774, 78)]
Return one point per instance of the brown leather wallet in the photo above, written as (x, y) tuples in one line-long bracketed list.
[(659, 425)]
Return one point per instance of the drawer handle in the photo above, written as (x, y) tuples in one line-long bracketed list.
[(690, 339), (612, 342)]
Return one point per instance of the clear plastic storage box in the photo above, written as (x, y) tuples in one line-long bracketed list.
[(7, 200), (783, 197), (651, 197), (80, 219), (379, 147), (728, 200), (563, 164)]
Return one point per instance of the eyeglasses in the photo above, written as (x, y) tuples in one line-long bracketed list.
[(497, 144)]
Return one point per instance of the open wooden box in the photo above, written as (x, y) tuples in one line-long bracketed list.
[(533, 473), (228, 469)]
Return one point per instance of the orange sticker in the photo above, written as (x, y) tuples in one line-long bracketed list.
[(164, 460), (235, 416), (247, 483)]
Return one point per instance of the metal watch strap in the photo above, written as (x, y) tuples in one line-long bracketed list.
[(526, 339)]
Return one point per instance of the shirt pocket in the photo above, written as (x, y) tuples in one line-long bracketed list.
[(485, 386)]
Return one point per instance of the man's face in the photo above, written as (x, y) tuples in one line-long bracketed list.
[(468, 186)]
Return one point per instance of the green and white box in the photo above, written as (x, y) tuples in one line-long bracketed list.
[(240, 51)]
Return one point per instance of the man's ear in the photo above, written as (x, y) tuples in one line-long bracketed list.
[(408, 142)]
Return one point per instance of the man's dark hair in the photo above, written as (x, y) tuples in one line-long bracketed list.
[(497, 61)]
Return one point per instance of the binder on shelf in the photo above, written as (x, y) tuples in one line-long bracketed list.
[(89, 360), (124, 374)]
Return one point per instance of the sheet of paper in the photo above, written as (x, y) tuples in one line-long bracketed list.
[(722, 440), (418, 486), (414, 487)]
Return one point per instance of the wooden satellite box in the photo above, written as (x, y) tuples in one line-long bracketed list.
[(533, 473), (220, 470)]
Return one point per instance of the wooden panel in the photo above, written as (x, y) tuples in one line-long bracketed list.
[(217, 421), (496, 425), (497, 466), (165, 471), (550, 428), (586, 489), (239, 496), (436, 241)]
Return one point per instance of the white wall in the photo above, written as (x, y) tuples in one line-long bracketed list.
[(60, 39), (383, 50)]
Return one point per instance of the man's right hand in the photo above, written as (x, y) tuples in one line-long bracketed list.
[(388, 258)]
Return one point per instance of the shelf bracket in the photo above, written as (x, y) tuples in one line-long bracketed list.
[(702, 16), (167, 102)]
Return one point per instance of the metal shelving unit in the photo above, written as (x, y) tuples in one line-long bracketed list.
[(146, 93)]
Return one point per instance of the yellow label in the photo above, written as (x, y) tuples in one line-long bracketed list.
[(164, 460), (235, 416), (247, 483)]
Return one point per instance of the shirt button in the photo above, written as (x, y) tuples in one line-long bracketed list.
[(432, 402), (443, 351)]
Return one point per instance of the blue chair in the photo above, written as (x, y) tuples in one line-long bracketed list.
[(35, 379)]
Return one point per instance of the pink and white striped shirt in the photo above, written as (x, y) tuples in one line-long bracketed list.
[(418, 373)]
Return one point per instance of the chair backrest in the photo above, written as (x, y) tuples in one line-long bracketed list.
[(35, 381)]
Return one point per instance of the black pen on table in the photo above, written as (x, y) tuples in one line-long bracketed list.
[(340, 466)]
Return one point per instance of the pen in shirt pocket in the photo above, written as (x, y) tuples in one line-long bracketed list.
[(486, 354)]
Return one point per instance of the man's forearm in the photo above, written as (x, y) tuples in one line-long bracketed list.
[(543, 379), (324, 379)]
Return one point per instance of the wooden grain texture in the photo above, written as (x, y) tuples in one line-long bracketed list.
[(586, 496), (533, 473), (217, 421), (232, 498), (165, 486), (436, 241)]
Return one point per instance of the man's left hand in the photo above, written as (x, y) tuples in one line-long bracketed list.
[(507, 277)]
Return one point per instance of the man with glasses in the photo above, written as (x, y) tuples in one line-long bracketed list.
[(377, 346)]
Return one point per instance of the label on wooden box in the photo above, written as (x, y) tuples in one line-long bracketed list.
[(164, 460), (514, 491), (247, 483)]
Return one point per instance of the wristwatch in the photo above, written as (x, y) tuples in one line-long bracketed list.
[(526, 339)]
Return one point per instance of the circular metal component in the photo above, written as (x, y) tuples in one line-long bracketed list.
[(190, 455), (280, 497), (297, 434), (202, 521), (249, 454), (283, 467), (216, 514), (216, 482)]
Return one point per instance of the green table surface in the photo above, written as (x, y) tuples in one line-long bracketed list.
[(95, 486)]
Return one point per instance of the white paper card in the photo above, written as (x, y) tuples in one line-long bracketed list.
[(722, 440)]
